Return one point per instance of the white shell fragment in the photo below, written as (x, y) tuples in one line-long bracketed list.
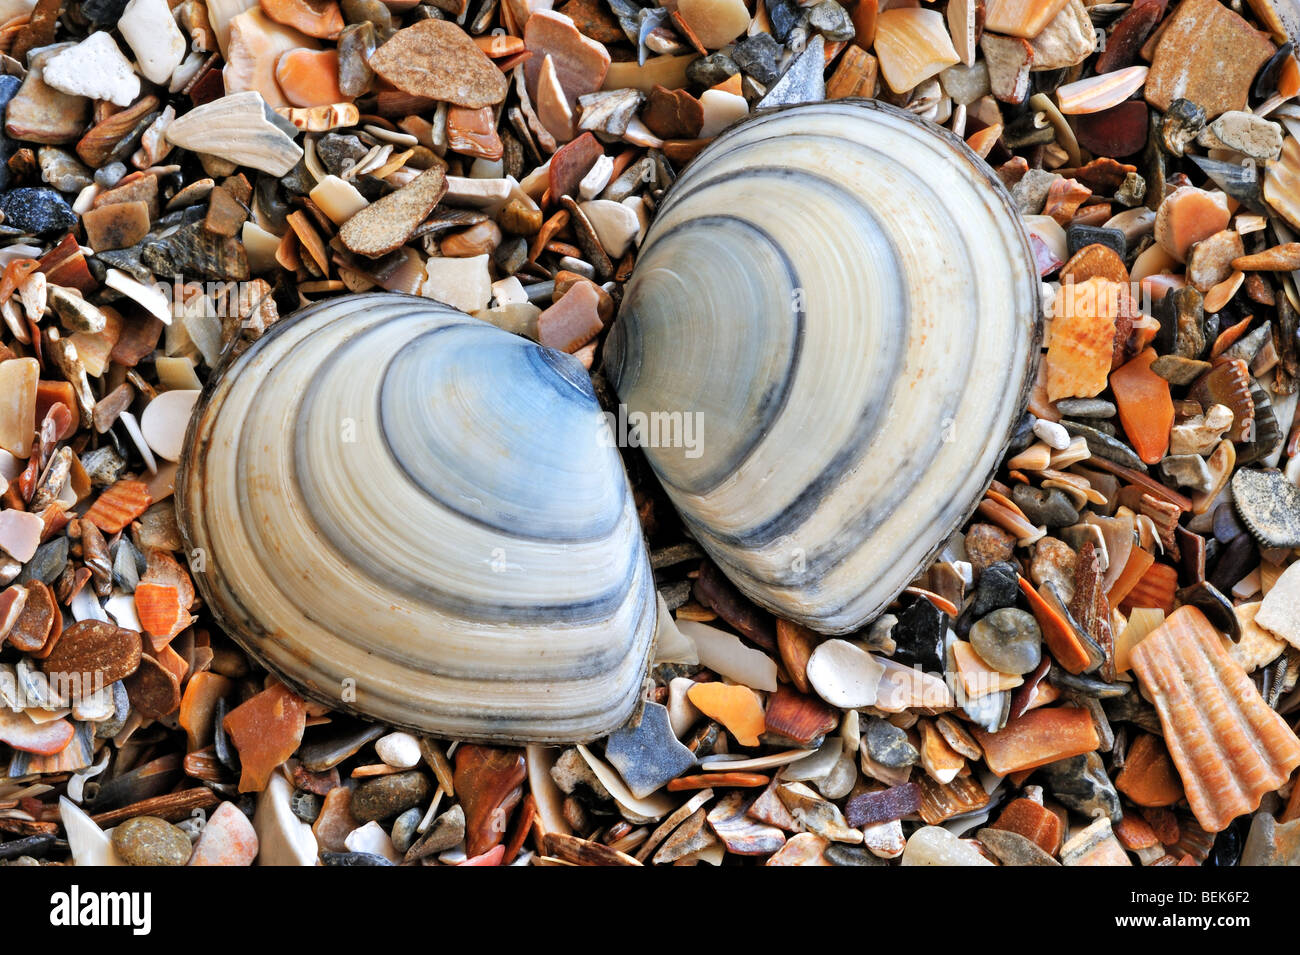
[(96, 68), (241, 128), (157, 42), (164, 421), (843, 301), (413, 515), (844, 675)]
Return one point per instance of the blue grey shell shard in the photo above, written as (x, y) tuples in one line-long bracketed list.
[(841, 299), (408, 513)]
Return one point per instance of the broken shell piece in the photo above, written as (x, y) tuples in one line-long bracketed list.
[(833, 560), (508, 603), (164, 421), (1097, 93), (912, 46), (150, 29), (241, 128), (844, 675), (1229, 746), (1026, 18), (96, 68)]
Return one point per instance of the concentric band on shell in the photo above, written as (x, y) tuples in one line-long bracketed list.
[(409, 513), (846, 298)]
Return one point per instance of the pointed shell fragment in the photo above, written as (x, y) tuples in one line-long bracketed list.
[(440, 539), (853, 339), (1229, 746), (241, 128)]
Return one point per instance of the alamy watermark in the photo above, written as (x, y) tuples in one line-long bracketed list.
[(652, 429)]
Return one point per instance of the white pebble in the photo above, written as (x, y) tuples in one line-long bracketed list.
[(96, 68), (1053, 434), (399, 750), (157, 42)]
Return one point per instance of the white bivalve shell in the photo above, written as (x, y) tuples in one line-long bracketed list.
[(841, 301), (408, 513)]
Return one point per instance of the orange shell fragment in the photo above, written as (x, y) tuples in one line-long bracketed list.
[(1229, 746), (1082, 338), (119, 505), (266, 729), (1145, 409), (735, 707), (1148, 777), (1038, 738), (159, 610), (1059, 635)]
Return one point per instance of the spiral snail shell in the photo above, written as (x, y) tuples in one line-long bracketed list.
[(846, 299), (409, 513)]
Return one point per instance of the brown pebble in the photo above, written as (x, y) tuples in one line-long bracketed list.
[(153, 689), (439, 60), (95, 647), (389, 221), (116, 226)]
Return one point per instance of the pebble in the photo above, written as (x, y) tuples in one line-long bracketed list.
[(94, 68), (150, 29), (372, 840), (388, 222), (403, 832), (228, 838), (804, 80), (36, 210), (757, 56), (1047, 506), (1009, 640), (354, 859), (888, 745), (385, 796), (1081, 784), (1248, 134), (1271, 842), (1012, 848), (439, 60), (1186, 470), (148, 840), (1279, 613), (39, 113), (321, 754), (1269, 505), (305, 805), (399, 750), (445, 832), (1086, 408), (708, 71), (844, 675), (999, 586), (648, 755), (1052, 433), (334, 821), (62, 170), (836, 853), (616, 225), (931, 845), (919, 634)]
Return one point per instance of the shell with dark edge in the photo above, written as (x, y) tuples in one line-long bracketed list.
[(845, 298), (411, 514)]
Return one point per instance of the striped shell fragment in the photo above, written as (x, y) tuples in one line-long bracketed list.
[(1228, 745), (846, 299), (410, 514)]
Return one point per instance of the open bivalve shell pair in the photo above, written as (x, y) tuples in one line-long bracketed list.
[(411, 514)]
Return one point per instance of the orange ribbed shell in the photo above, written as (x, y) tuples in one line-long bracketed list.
[(1229, 746)]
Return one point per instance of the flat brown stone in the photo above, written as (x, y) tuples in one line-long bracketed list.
[(1206, 54), (388, 222), (95, 647), (439, 60), (116, 226), (153, 689), (593, 21), (266, 729), (226, 214), (488, 783), (673, 114)]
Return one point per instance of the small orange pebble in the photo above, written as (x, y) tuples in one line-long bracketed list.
[(977, 677), (715, 780), (1229, 746), (1155, 589), (160, 612), (1033, 821), (118, 506), (1061, 639), (266, 729), (310, 77), (473, 132), (548, 230), (1134, 833), (730, 85), (199, 705), (1187, 216), (317, 18), (504, 45), (1082, 338), (1288, 80), (15, 274), (1095, 261), (735, 707), (795, 643), (1064, 197), (1037, 738), (1148, 777), (1228, 337), (1146, 410)]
